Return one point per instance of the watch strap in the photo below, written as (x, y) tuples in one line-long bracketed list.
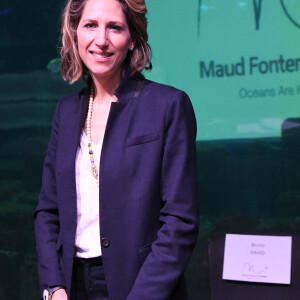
[(54, 289), (48, 292)]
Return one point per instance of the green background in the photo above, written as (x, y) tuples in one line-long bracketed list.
[(227, 32)]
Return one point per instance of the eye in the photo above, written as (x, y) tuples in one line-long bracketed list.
[(90, 25), (116, 27)]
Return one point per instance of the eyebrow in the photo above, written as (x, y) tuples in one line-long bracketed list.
[(109, 22)]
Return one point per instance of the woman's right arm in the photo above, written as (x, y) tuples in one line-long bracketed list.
[(59, 295), (47, 225)]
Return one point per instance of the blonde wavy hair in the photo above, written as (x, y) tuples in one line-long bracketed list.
[(72, 67)]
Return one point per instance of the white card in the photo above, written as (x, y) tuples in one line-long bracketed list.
[(257, 258)]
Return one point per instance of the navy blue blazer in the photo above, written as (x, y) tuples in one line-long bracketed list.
[(148, 192)]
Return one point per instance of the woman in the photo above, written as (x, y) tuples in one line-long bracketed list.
[(123, 226)]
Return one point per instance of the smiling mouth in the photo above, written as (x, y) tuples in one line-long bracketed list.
[(101, 55)]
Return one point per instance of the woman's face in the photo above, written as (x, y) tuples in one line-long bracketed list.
[(103, 38)]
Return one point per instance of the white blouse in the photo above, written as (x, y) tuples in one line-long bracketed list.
[(87, 240)]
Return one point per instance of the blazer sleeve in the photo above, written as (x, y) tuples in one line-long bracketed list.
[(46, 216), (164, 267)]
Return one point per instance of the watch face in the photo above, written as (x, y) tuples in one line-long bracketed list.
[(46, 295)]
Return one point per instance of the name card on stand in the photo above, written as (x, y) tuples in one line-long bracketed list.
[(258, 258)]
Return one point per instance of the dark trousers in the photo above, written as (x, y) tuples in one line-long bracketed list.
[(88, 280)]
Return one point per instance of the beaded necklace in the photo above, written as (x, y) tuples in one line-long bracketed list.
[(94, 169)]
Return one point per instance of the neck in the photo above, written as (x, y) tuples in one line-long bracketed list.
[(105, 87)]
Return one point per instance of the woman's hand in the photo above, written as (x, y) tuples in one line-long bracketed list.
[(59, 295)]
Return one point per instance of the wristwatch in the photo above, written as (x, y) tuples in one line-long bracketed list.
[(49, 291)]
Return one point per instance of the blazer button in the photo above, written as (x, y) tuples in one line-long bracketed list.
[(105, 242)]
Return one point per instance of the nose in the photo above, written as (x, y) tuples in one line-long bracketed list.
[(101, 38)]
